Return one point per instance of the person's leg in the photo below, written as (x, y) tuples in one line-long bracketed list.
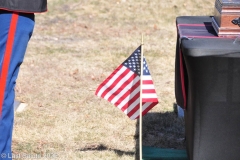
[(15, 32)]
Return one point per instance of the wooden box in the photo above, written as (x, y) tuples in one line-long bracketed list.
[(226, 19)]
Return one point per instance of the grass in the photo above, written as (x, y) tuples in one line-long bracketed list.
[(75, 46)]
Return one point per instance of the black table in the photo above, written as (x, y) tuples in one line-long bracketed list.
[(207, 87)]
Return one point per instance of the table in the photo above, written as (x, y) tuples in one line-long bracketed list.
[(207, 87)]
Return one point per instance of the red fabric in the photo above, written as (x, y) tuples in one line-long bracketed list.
[(7, 58), (182, 81)]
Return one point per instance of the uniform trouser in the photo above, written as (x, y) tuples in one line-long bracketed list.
[(15, 32)]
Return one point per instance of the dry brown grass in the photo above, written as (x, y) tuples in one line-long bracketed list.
[(75, 46)]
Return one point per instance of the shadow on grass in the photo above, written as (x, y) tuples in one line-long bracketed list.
[(102, 147), (161, 130)]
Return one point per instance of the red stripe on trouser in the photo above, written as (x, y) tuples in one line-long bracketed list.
[(7, 57)]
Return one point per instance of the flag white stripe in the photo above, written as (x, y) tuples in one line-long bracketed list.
[(128, 98), (111, 81), (149, 95), (127, 88), (145, 106), (147, 77), (132, 106), (118, 85), (145, 86)]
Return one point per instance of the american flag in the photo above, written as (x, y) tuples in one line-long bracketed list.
[(122, 87)]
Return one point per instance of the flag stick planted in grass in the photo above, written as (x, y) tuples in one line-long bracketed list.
[(141, 92), (129, 86)]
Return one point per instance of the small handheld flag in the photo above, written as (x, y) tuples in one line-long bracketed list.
[(122, 87)]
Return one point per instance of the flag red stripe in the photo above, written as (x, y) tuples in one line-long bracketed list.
[(133, 99), (147, 82), (121, 87), (115, 82), (108, 79), (148, 91), (147, 109), (150, 100), (127, 93), (135, 109)]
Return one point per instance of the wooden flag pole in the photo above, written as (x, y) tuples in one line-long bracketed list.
[(140, 112)]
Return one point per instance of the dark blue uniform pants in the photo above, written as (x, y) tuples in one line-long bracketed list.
[(15, 32)]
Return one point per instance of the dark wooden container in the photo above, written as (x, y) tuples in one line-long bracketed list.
[(226, 19)]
